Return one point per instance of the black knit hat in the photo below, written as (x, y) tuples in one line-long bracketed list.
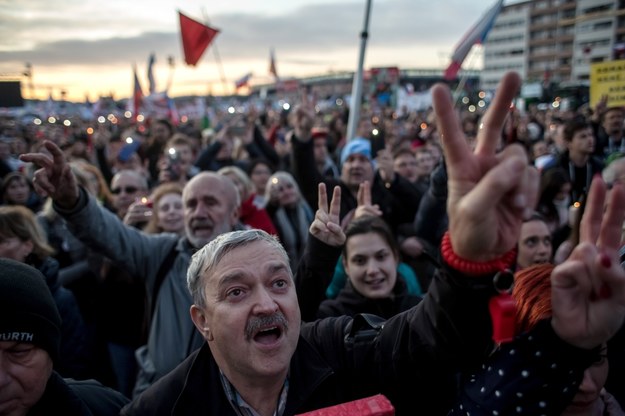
[(27, 310)]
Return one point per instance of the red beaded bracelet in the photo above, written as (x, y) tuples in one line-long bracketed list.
[(474, 268)]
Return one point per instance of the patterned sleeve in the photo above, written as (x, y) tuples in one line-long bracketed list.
[(536, 374)]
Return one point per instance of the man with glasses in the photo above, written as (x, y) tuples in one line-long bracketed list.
[(127, 187)]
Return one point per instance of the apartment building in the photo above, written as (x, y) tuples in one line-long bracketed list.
[(553, 40)]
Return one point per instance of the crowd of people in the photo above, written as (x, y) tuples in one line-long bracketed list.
[(458, 263)]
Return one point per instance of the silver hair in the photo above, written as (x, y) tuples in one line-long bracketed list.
[(611, 172), (205, 260)]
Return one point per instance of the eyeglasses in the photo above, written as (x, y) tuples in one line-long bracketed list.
[(126, 189)]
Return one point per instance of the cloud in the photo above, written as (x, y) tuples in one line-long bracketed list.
[(298, 35)]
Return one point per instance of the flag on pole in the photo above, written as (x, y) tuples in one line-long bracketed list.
[(137, 95), (243, 81), (195, 38), (476, 35), (151, 81), (272, 64)]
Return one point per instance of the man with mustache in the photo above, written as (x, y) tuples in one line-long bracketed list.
[(211, 207)]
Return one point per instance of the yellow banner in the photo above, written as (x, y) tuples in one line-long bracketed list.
[(607, 78)]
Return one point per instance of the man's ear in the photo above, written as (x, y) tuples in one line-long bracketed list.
[(234, 216), (201, 322)]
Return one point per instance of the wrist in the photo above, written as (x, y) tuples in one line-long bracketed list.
[(475, 268)]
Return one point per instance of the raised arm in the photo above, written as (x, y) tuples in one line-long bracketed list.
[(326, 238)]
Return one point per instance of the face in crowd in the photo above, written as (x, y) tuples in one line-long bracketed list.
[(534, 244), (370, 258), (259, 176), (613, 121), (170, 213), (283, 190), (127, 187), (24, 373), (211, 207), (582, 143), (17, 190), (245, 305), (405, 164), (587, 400), (356, 169)]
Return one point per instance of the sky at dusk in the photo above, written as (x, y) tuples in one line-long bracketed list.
[(87, 48)]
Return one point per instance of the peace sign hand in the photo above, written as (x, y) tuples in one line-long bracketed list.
[(588, 289), (489, 193), (365, 206), (326, 225)]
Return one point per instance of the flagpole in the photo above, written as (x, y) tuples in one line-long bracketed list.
[(217, 57), (354, 112)]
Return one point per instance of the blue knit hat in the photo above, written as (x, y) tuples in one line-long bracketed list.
[(356, 145)]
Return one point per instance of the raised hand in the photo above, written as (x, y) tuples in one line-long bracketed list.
[(54, 178), (302, 118), (588, 289), (326, 225), (489, 193), (365, 206), (385, 165)]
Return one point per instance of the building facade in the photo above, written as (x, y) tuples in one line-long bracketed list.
[(553, 41)]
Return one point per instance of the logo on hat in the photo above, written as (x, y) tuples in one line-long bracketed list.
[(17, 336)]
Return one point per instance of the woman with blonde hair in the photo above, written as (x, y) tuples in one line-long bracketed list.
[(167, 212), (289, 212), (23, 240)]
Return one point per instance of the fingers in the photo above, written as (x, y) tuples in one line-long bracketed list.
[(42, 183), (38, 159), (455, 146), (322, 197), (612, 224), (502, 181), (591, 220), (492, 123), (55, 151), (335, 204), (364, 194)]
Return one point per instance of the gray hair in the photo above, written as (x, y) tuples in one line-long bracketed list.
[(205, 260), (611, 172)]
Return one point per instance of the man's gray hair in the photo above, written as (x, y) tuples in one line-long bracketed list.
[(612, 171), (205, 260)]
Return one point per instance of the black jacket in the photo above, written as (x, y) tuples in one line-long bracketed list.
[(412, 358), (76, 343), (77, 398), (349, 302)]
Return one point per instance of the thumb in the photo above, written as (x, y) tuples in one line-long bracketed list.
[(498, 183)]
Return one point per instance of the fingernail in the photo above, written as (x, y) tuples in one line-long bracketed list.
[(605, 261)]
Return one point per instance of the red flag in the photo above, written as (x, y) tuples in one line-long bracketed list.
[(137, 95), (195, 38), (477, 34)]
